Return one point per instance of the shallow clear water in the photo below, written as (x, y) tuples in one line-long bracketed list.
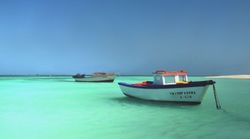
[(58, 108)]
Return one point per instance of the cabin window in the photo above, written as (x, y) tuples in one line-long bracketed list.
[(182, 78), (169, 79), (158, 80)]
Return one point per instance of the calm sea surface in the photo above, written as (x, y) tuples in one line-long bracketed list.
[(59, 108)]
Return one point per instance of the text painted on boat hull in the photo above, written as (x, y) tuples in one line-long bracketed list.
[(187, 94)]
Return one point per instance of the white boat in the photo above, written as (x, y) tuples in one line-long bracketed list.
[(168, 86), (96, 77)]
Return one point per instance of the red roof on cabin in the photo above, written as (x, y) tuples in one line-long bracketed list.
[(171, 73)]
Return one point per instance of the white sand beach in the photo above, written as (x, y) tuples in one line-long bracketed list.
[(246, 76)]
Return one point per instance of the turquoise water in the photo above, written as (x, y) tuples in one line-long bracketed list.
[(58, 108)]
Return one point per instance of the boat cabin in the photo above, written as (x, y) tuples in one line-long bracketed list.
[(103, 74), (163, 77), (78, 75)]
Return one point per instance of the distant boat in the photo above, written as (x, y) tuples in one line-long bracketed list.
[(78, 75), (96, 77), (169, 86)]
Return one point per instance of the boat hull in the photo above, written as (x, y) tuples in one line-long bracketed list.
[(96, 79), (185, 93)]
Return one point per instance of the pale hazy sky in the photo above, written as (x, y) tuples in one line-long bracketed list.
[(124, 36)]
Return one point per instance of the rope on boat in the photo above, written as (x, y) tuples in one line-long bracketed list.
[(218, 106)]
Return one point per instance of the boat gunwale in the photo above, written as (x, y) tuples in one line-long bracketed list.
[(111, 80), (190, 84)]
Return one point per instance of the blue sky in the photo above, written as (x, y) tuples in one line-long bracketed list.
[(124, 36)]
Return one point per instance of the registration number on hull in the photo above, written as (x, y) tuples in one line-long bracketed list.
[(186, 94)]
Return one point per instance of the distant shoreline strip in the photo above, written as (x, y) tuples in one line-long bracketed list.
[(246, 76), (231, 76)]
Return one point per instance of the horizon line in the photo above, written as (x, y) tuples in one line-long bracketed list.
[(2, 75)]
